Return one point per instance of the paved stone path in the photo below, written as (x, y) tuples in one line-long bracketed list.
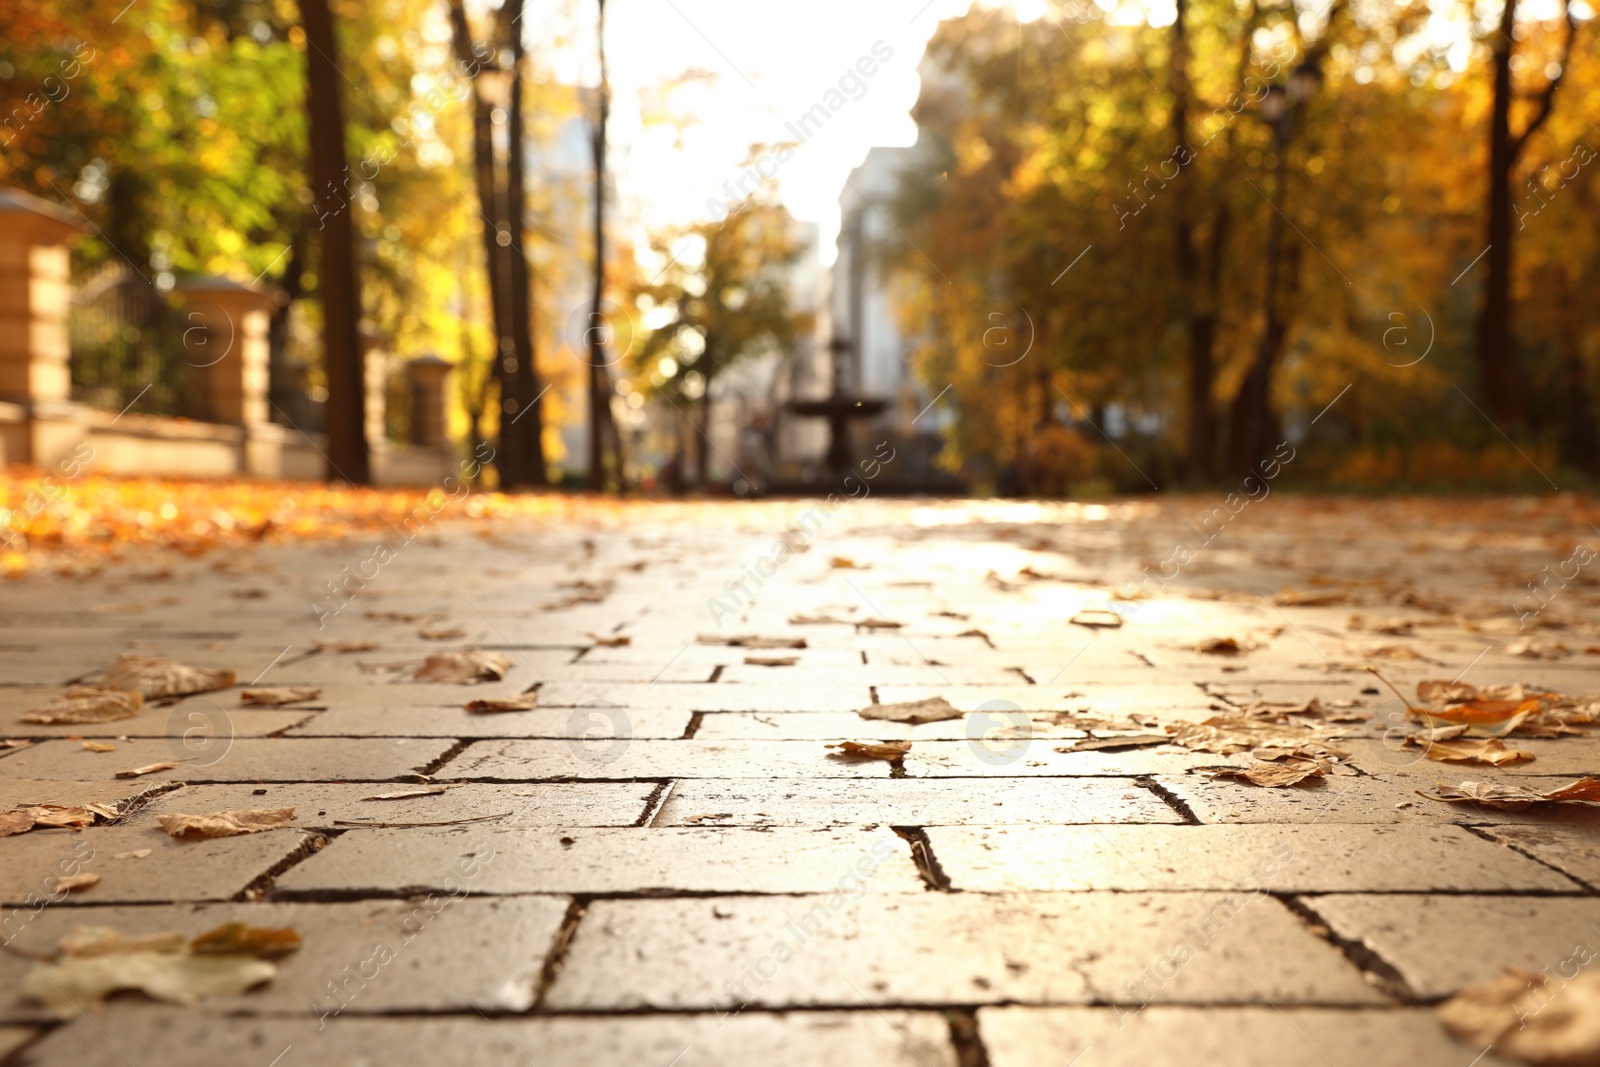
[(662, 865)]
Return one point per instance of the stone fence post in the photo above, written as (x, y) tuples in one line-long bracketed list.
[(227, 343), (36, 239), (428, 377)]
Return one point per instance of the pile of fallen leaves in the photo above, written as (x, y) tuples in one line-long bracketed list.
[(98, 514)]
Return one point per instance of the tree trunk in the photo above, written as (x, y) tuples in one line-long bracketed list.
[(1496, 363), (338, 286), (599, 378), (492, 211), (526, 427), (1200, 324), (1252, 424)]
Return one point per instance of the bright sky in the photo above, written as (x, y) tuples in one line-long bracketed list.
[(769, 62)]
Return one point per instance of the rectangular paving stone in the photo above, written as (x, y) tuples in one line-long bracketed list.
[(814, 695), (610, 860), (176, 1037), (220, 719), (1003, 755), (14, 1037), (410, 721), (943, 948), (616, 758), (834, 725), (1303, 858), (1438, 944), (1161, 1036), (211, 869), (1567, 757), (440, 952), (337, 806), (19, 793), (910, 802), (1570, 849), (265, 759)]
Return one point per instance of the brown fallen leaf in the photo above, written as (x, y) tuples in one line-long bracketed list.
[(1112, 744), (1238, 732), (401, 616), (812, 620), (155, 678), (878, 624), (95, 962), (488, 705), (463, 668), (1490, 750), (1490, 712), (73, 882), (407, 794), (84, 704), (1221, 646), (44, 816), (1506, 795), (1534, 1017), (933, 709), (771, 661), (751, 641), (1275, 775), (442, 633), (226, 823), (99, 746), (238, 939), (1537, 650), (14, 743), (1310, 598), (149, 768), (844, 563), (868, 750), (620, 641), (278, 695), (344, 646), (1097, 619)]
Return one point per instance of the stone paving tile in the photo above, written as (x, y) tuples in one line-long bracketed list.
[(178, 1038), (1438, 944), (1570, 849), (221, 718), (610, 860), (941, 948), (1320, 858), (1106, 700), (999, 756), (324, 805), (434, 953), (411, 721), (16, 793), (815, 695), (833, 725), (617, 758), (212, 869), (1569, 757), (873, 674), (245, 760), (1239, 1037), (910, 802)]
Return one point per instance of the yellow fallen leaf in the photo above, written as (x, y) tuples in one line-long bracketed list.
[(1538, 1018), (869, 750), (278, 695), (73, 882), (149, 768), (1507, 795), (489, 705), (99, 746), (1276, 775), (1490, 750)]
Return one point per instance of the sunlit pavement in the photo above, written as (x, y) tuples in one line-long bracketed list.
[(662, 862)]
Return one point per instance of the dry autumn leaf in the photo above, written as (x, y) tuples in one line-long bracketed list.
[(878, 624), (149, 768), (278, 695), (132, 854), (73, 882), (83, 705), (226, 823), (95, 962), (463, 668), (489, 705), (869, 750), (44, 816), (1097, 619), (344, 646), (621, 641), (408, 794), (442, 633), (933, 709), (1538, 1018), (99, 746), (1490, 712), (1221, 646), (771, 661), (155, 678), (752, 641), (1490, 750), (1506, 795), (1276, 775)]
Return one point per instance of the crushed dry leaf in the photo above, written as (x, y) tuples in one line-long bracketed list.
[(45, 816), (771, 661), (149, 768), (490, 705), (344, 646), (85, 704), (99, 746), (463, 668), (1506, 795), (155, 678), (1535, 1017)]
